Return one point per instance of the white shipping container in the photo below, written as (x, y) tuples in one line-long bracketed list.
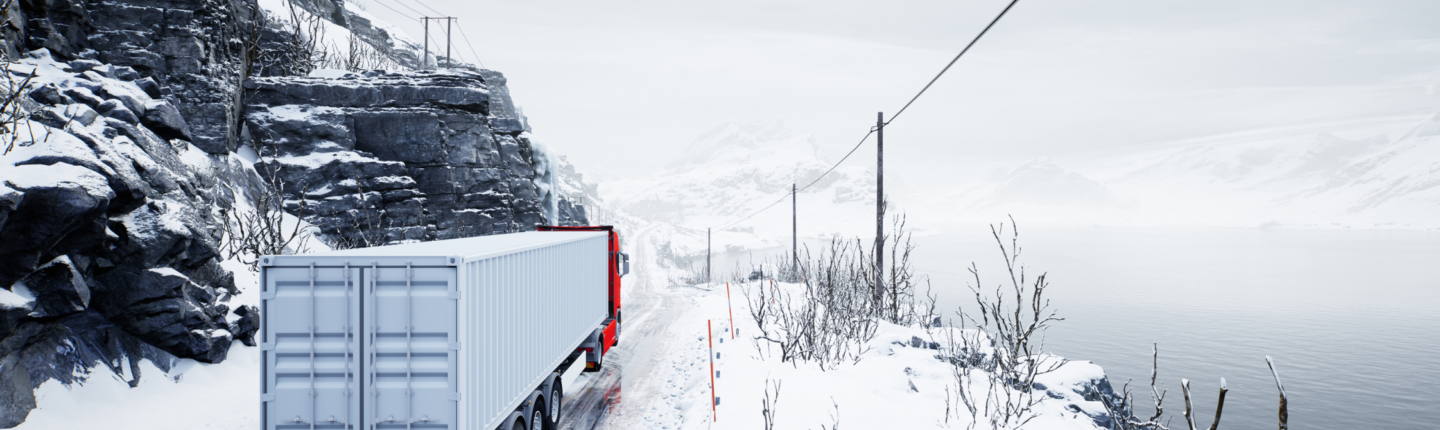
[(450, 334)]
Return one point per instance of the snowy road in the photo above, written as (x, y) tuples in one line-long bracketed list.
[(648, 311)]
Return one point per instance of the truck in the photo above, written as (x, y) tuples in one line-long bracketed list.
[(470, 333)]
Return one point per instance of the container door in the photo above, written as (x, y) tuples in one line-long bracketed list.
[(311, 348), (411, 346)]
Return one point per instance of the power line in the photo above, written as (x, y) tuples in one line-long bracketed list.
[(417, 11), (842, 160), (396, 10), (428, 7), (782, 198), (892, 117), (472, 47), (462, 29), (952, 61), (817, 179)]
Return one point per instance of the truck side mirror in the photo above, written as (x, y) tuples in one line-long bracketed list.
[(624, 263)]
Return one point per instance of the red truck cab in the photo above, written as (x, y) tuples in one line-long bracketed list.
[(608, 334)]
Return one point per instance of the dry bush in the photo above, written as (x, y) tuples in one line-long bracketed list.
[(367, 227), (830, 320), (263, 231), (995, 365), (834, 314), (13, 92), (361, 56)]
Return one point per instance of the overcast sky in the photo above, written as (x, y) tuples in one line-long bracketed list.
[(623, 86)]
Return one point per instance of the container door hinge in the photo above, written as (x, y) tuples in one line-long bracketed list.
[(267, 397), (267, 295), (455, 396), (267, 346), (454, 295), (454, 346)]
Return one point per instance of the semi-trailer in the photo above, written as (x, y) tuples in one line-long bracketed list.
[(466, 333)]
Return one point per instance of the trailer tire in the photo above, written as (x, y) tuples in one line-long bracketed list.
[(556, 398), (516, 421)]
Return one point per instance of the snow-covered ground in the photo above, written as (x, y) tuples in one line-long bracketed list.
[(660, 373)]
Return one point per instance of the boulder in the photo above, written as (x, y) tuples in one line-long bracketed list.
[(59, 289), (165, 121), (49, 94), (116, 109), (84, 96), (164, 309), (58, 200), (248, 323), (150, 87), (17, 393)]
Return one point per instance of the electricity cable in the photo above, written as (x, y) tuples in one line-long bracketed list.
[(462, 32), (428, 7), (417, 11), (472, 47), (952, 61), (892, 117), (817, 179), (395, 10)]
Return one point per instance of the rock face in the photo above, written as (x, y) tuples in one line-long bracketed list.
[(108, 234), (404, 156), (112, 210), (191, 51)]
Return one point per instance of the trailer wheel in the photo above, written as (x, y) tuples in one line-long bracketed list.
[(516, 421), (557, 394)]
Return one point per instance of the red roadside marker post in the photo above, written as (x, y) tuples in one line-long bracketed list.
[(728, 306), (708, 330)]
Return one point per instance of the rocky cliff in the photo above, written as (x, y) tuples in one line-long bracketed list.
[(404, 156), (141, 130)]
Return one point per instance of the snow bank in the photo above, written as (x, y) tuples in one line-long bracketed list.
[(900, 382)]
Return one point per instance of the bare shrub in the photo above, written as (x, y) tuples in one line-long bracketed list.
[(367, 226), (248, 235), (830, 321), (360, 56), (12, 97), (1121, 408), (767, 405), (834, 315), (1005, 351)]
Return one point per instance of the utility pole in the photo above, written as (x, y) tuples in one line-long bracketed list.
[(794, 230), (449, 23), (879, 206), (707, 256)]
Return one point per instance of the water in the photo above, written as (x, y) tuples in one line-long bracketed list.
[(1348, 315)]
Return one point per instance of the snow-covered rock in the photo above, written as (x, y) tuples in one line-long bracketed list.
[(107, 231), (427, 152)]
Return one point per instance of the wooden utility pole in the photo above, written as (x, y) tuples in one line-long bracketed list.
[(707, 256), (449, 23), (794, 230), (879, 206)]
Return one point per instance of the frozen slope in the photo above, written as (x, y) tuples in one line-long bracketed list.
[(735, 170)]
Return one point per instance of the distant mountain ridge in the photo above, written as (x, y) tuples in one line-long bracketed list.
[(1323, 180), (736, 169)]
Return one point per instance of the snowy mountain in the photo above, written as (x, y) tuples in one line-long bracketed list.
[(734, 170), (1309, 181)]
